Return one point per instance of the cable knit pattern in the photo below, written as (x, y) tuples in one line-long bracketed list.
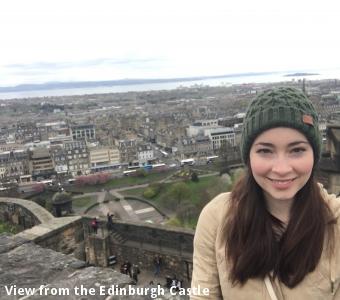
[(281, 107)]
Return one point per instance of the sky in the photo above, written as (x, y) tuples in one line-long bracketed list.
[(71, 40)]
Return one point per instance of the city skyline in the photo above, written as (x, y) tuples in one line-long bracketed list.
[(82, 41)]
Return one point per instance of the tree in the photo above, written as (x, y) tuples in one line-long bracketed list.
[(194, 177), (41, 201), (93, 179), (141, 173), (186, 212), (61, 197), (149, 193), (179, 192), (103, 177), (153, 190)]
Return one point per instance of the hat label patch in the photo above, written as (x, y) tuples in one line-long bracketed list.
[(307, 119)]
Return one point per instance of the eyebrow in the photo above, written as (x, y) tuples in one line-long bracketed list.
[(289, 145)]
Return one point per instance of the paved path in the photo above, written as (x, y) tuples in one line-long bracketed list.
[(100, 197), (126, 188), (124, 209), (127, 209)]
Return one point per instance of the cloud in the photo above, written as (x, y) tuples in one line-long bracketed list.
[(45, 66), (87, 70), (86, 40)]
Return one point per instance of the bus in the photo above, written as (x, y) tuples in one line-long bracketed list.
[(48, 182), (133, 167), (165, 154), (71, 180), (129, 172), (147, 167), (210, 159), (159, 166), (150, 167), (188, 162)]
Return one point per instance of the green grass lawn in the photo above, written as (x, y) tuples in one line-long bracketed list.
[(196, 189), (133, 180), (138, 192), (83, 202), (204, 184), (212, 167), (199, 194)]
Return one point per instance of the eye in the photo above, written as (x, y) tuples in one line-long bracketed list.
[(298, 150), (264, 151)]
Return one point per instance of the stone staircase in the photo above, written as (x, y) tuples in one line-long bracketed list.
[(117, 237)]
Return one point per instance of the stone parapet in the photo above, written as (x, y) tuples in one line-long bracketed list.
[(24, 213), (53, 275)]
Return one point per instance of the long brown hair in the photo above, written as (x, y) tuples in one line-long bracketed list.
[(257, 243)]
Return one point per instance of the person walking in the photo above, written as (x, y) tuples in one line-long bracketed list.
[(157, 263), (135, 271), (109, 221), (94, 225)]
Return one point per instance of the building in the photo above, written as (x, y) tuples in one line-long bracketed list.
[(220, 136), (83, 132), (28, 132), (164, 139), (59, 156), (128, 150), (41, 163), (59, 140), (52, 129), (9, 146), (104, 158), (206, 123), (77, 157), (194, 146), (231, 121), (13, 164), (329, 166), (145, 154), (37, 144), (198, 127), (2, 172)]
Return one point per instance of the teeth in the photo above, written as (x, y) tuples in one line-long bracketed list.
[(281, 181)]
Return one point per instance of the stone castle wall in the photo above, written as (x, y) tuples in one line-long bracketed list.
[(64, 235), (66, 239), (133, 241), (22, 212), (140, 243)]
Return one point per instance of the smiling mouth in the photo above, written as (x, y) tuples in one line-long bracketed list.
[(281, 181)]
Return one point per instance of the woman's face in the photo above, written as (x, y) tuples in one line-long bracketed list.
[(281, 161)]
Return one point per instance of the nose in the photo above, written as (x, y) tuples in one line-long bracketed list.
[(281, 166)]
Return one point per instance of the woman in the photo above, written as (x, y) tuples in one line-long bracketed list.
[(275, 236)]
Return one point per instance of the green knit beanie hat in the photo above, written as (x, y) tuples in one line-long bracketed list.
[(280, 107)]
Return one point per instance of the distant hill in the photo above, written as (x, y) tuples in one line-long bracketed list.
[(87, 84), (300, 74)]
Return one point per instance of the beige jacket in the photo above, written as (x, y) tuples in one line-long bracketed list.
[(210, 268)]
